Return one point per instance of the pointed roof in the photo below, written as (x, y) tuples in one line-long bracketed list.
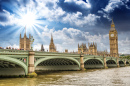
[(51, 38), (42, 48), (25, 32), (112, 26)]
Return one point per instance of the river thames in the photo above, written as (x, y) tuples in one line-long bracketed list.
[(94, 77)]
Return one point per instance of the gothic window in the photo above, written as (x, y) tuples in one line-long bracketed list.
[(22, 46)]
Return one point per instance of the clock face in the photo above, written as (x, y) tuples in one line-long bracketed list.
[(112, 35)]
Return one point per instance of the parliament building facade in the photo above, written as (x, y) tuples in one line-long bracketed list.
[(25, 44)]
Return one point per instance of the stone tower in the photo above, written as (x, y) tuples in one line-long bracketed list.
[(25, 43), (52, 47), (82, 48), (92, 49), (42, 48), (113, 40)]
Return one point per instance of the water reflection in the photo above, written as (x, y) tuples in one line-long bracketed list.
[(100, 77)]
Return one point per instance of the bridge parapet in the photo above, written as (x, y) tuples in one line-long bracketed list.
[(12, 52), (55, 54)]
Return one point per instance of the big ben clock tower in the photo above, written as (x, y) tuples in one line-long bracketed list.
[(113, 39)]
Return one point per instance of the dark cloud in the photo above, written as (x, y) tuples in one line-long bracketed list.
[(72, 7), (1, 8), (79, 37), (98, 5), (121, 17), (3, 19), (50, 5)]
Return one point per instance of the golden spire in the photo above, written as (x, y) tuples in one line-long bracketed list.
[(112, 24), (51, 38)]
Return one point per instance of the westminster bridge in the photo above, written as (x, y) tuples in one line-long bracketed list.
[(19, 62)]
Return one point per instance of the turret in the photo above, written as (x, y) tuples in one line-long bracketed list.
[(52, 47), (25, 32), (51, 38), (29, 36), (42, 48), (20, 35), (96, 45)]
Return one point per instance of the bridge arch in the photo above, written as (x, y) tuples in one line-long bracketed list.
[(121, 63), (15, 61), (59, 63), (127, 63), (93, 63), (111, 63)]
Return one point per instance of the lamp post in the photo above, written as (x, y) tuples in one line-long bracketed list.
[(31, 41)]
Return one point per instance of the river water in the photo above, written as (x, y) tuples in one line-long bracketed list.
[(96, 77)]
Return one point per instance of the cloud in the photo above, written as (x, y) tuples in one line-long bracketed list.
[(80, 3), (68, 38), (53, 13), (124, 46), (79, 20), (8, 19), (14, 46), (112, 5), (37, 47)]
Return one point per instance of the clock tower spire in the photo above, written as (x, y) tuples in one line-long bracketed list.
[(113, 40)]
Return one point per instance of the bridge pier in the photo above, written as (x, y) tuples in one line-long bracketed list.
[(82, 62), (31, 68), (117, 61), (125, 62), (105, 64)]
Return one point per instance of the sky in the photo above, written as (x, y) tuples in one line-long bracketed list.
[(69, 21)]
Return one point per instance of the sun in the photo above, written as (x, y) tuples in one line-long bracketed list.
[(28, 19)]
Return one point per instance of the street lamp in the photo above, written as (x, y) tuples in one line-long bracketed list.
[(31, 41)]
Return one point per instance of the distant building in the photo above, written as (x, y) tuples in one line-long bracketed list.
[(25, 43), (52, 47), (101, 53), (82, 49), (42, 48), (92, 49), (66, 50), (113, 39)]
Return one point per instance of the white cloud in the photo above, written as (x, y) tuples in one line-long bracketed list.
[(112, 5), (56, 13), (11, 20), (68, 38), (78, 20), (80, 3), (124, 46), (14, 46)]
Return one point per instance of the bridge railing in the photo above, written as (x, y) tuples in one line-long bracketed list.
[(53, 53), (10, 51), (98, 56)]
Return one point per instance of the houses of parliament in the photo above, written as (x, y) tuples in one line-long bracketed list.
[(92, 48), (25, 44)]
